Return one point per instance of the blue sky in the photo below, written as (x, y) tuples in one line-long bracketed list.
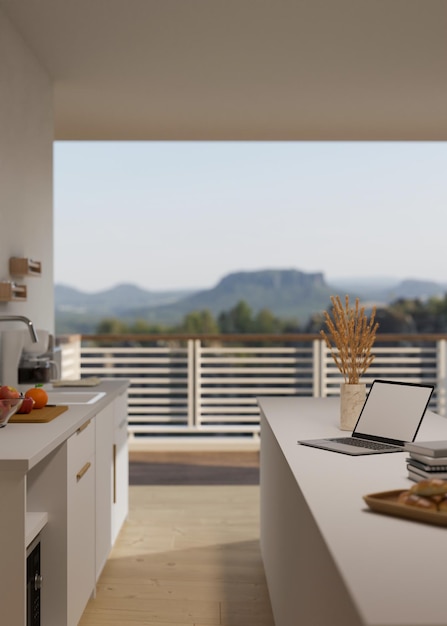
[(168, 215)]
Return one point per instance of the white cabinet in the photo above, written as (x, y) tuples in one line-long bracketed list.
[(80, 521), (12, 563), (67, 481), (104, 429), (112, 476), (120, 507), (63, 485)]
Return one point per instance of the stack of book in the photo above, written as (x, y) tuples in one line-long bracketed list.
[(427, 459)]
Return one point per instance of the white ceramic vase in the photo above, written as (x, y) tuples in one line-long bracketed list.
[(352, 398)]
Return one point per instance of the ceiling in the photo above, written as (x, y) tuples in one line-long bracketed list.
[(241, 69)]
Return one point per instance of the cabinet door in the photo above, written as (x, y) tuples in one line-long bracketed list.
[(120, 467), (80, 521), (104, 439)]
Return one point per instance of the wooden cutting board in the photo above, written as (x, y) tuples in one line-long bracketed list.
[(90, 381), (38, 416)]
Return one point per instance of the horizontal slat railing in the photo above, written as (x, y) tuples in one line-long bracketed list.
[(208, 385), (160, 394), (242, 373)]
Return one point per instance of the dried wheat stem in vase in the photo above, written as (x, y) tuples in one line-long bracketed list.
[(350, 338)]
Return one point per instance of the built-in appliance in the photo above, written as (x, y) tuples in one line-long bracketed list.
[(33, 583), (12, 344), (35, 370), (37, 364)]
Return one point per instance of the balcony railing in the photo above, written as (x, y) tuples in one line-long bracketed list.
[(208, 385)]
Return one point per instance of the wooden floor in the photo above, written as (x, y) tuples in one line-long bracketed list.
[(187, 556)]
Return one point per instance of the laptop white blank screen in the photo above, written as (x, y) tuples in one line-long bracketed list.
[(393, 411)]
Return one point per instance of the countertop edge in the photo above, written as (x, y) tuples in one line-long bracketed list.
[(36, 448)]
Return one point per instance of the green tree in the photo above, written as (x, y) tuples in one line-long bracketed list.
[(142, 327), (111, 326), (237, 320), (426, 317), (199, 322), (266, 322)]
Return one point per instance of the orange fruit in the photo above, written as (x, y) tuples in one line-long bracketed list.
[(39, 395)]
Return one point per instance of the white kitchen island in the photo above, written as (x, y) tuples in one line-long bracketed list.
[(329, 560), (67, 482)]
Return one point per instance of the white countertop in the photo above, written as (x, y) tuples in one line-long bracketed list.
[(23, 445), (394, 569)]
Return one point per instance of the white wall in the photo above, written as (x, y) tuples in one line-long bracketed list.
[(26, 175)]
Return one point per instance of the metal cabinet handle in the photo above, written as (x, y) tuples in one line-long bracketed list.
[(114, 473), (83, 471), (83, 427), (37, 582)]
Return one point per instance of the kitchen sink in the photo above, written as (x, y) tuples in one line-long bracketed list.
[(74, 397)]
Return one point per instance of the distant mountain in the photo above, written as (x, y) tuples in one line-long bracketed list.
[(116, 300), (421, 289), (289, 294), (383, 290), (80, 312)]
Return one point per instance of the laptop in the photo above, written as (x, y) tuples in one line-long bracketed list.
[(390, 417)]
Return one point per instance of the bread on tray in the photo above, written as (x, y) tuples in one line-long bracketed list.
[(429, 494)]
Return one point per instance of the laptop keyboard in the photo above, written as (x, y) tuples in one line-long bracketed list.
[(363, 443)]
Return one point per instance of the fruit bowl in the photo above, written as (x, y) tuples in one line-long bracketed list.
[(7, 409)]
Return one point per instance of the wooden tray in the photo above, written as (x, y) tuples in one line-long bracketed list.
[(38, 416), (386, 502)]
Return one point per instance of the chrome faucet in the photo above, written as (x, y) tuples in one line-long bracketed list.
[(25, 320)]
